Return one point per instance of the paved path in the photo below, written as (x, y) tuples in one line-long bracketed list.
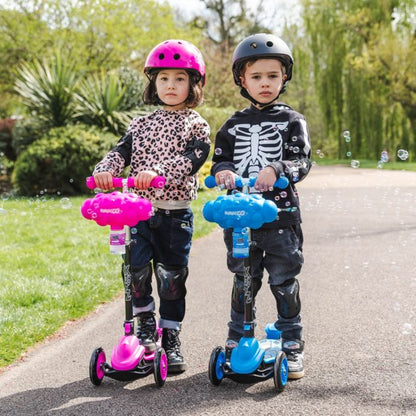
[(358, 290)]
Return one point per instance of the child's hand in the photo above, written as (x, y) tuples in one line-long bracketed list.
[(144, 178), (226, 178), (104, 180), (265, 179)]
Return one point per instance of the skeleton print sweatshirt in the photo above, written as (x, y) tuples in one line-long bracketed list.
[(275, 136), (174, 144)]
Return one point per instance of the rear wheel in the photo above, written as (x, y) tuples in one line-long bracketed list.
[(215, 368), (281, 371), (96, 369), (160, 369)]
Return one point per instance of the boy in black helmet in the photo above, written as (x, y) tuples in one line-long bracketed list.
[(266, 140)]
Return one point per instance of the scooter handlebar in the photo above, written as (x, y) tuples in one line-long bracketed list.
[(281, 183), (157, 182)]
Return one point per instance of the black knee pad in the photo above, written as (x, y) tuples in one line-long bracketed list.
[(171, 281), (237, 295), (287, 298), (142, 278)]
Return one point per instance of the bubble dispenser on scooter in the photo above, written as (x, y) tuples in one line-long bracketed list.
[(121, 210), (252, 360)]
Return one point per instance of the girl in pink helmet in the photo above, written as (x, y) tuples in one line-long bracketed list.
[(172, 141)]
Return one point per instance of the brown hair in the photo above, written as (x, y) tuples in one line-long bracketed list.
[(245, 64), (194, 98)]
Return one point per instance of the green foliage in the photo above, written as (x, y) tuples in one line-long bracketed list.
[(103, 101), (47, 89), (60, 161), (215, 117), (363, 54)]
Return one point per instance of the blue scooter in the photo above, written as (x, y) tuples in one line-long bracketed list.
[(252, 360)]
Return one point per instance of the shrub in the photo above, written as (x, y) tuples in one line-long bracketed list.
[(61, 160)]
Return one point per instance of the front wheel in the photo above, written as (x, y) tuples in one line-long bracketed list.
[(160, 367), (281, 371), (96, 370), (215, 368)]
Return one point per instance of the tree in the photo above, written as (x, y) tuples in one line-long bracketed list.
[(357, 48)]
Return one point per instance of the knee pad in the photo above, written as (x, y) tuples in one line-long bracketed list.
[(287, 298), (237, 295), (171, 281), (141, 278)]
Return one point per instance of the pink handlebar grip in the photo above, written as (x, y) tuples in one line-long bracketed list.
[(157, 182)]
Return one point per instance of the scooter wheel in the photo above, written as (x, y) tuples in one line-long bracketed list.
[(215, 368), (281, 371), (160, 367), (96, 370)]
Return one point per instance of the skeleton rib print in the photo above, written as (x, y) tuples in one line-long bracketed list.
[(257, 145)]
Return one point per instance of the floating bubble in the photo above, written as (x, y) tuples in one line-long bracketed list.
[(218, 151), (380, 165), (402, 154), (5, 196), (66, 203), (355, 164), (295, 149), (346, 134), (407, 329), (348, 154)]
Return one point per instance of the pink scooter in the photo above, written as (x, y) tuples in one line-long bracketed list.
[(122, 210)]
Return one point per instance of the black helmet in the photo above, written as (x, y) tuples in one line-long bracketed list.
[(262, 45)]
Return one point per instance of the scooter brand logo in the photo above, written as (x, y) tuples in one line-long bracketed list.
[(127, 282), (110, 210), (238, 213), (247, 285)]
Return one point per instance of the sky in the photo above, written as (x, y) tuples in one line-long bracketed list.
[(287, 11)]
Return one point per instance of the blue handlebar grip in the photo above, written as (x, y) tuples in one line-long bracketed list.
[(210, 182), (282, 182)]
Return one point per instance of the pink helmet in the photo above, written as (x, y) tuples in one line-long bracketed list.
[(176, 53)]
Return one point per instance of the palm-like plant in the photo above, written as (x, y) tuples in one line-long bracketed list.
[(47, 88), (102, 100)]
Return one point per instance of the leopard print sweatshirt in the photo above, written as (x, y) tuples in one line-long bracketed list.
[(175, 144)]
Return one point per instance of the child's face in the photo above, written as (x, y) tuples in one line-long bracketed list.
[(263, 79), (172, 87)]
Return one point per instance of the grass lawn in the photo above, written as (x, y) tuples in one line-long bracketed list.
[(55, 267), (367, 164)]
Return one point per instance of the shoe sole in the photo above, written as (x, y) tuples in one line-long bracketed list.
[(295, 375), (177, 368)]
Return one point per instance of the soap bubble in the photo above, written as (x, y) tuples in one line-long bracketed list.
[(402, 154), (66, 203), (355, 164)]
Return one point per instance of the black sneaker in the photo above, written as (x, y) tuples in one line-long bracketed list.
[(171, 344), (147, 332), (294, 353)]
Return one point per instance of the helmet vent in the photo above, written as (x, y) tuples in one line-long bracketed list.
[(269, 43), (176, 56), (161, 56), (253, 45)]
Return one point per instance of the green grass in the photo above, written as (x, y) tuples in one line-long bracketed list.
[(368, 164), (55, 267)]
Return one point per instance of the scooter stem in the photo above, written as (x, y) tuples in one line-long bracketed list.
[(248, 299)]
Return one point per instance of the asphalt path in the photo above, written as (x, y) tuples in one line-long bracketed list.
[(358, 290)]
